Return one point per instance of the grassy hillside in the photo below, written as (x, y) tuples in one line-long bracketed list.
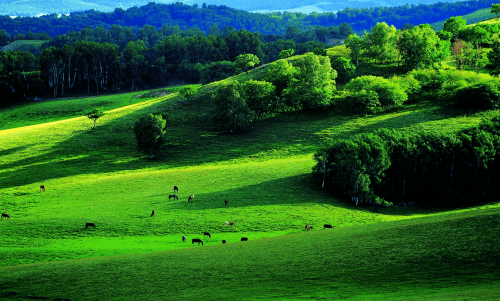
[(444, 257), (98, 176), (24, 45), (472, 18)]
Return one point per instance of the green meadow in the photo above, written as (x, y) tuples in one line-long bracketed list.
[(97, 176)]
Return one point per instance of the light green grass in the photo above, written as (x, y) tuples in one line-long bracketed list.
[(98, 176), (436, 257)]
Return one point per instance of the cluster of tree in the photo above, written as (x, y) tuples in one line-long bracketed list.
[(361, 19), (19, 77), (302, 84), (460, 89), (390, 166), (96, 60), (415, 48)]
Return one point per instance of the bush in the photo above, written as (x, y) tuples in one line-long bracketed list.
[(390, 94), (480, 96)]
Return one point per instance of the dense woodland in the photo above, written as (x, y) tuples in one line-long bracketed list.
[(206, 16)]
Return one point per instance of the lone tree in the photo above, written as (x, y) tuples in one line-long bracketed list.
[(246, 61), (95, 114), (150, 132), (495, 9)]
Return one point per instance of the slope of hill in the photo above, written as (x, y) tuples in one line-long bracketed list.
[(98, 176), (472, 18), (24, 45), (445, 257)]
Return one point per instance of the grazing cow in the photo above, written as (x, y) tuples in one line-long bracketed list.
[(223, 241), (152, 213), (232, 224), (327, 226), (226, 202), (173, 196), (199, 241), (176, 189), (42, 188), (5, 215), (183, 238), (207, 234), (190, 197), (89, 225), (308, 227), (244, 239)]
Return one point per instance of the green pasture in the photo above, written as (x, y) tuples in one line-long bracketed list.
[(96, 175), (478, 16), (34, 46)]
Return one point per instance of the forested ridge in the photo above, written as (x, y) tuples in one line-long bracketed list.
[(204, 17)]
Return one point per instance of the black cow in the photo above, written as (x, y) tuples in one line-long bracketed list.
[(42, 188), (89, 225), (5, 215), (152, 213), (327, 226), (223, 241), (226, 202), (199, 241), (207, 234), (176, 189), (244, 239), (183, 238), (173, 196)]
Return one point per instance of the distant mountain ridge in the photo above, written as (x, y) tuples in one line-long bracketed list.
[(37, 7)]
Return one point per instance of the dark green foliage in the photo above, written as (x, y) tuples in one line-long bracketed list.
[(353, 166), (389, 93), (286, 53), (260, 97), (319, 51), (429, 169), (217, 71), (494, 59), (420, 48), (230, 111), (363, 102), (312, 84), (95, 114), (280, 74), (150, 132), (480, 96), (344, 67)]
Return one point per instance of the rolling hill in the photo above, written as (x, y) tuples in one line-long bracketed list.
[(34, 7), (97, 176)]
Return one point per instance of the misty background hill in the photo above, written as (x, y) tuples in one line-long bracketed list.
[(37, 7)]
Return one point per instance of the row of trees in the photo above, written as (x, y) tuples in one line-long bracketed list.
[(390, 166)]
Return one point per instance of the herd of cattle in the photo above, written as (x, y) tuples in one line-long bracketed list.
[(194, 240)]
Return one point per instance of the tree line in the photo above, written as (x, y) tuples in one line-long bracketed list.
[(391, 166), (97, 60), (202, 18)]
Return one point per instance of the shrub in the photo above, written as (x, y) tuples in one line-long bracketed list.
[(390, 94), (480, 96)]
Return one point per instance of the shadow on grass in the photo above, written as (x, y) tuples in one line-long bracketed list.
[(290, 191), (112, 147)]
